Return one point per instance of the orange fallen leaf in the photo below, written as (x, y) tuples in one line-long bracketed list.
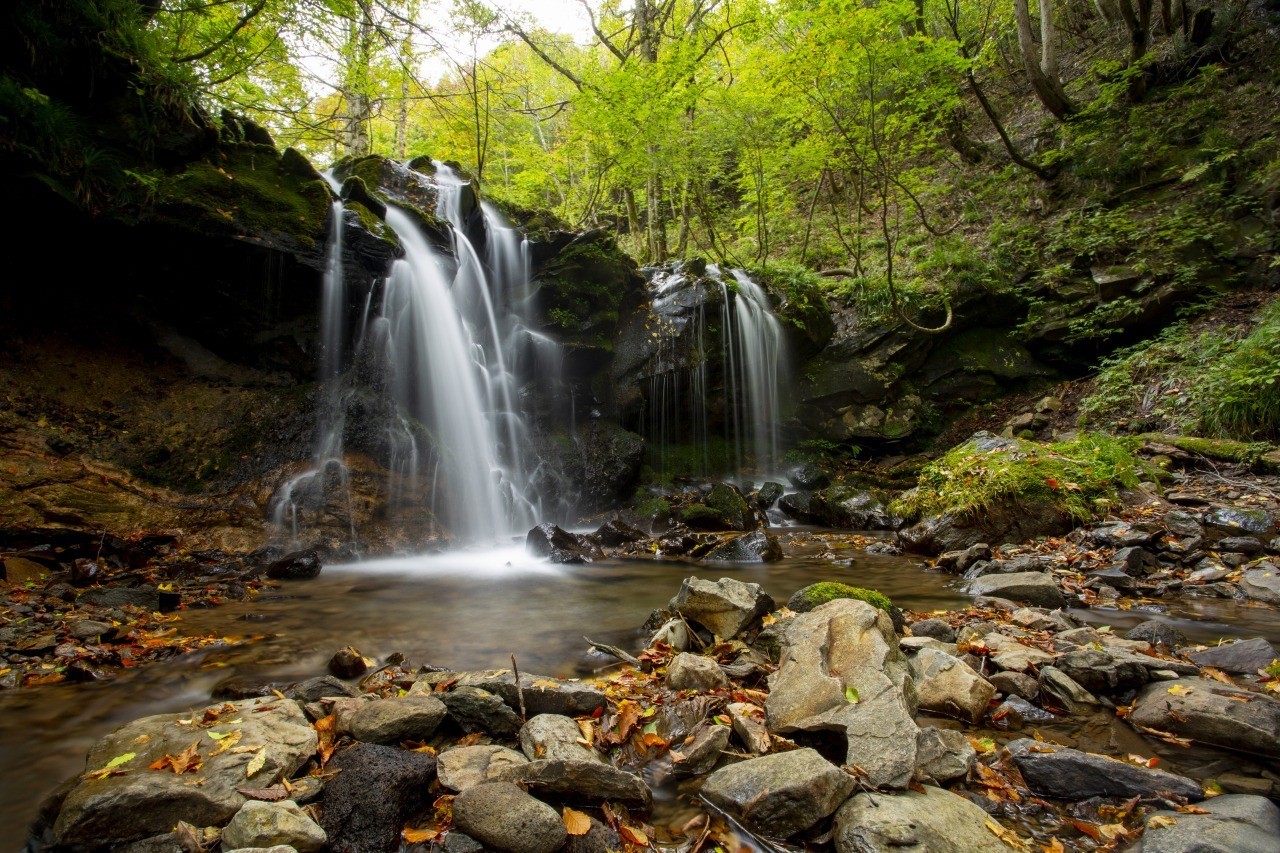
[(184, 762), (419, 836), (575, 822), (633, 836)]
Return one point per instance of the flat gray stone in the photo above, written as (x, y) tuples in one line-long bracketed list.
[(555, 736), (1038, 588), (262, 825), (1243, 656), (780, 794), (1205, 710), (464, 767), (944, 755), (1069, 774), (1236, 823), (503, 817), (726, 607), (695, 672), (476, 710), (936, 821), (949, 686), (1262, 584), (586, 781), (391, 721)]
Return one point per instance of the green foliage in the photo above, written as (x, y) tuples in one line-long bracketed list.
[(818, 594), (1076, 478)]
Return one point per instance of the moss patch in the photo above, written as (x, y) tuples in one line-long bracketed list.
[(818, 594), (1078, 478)]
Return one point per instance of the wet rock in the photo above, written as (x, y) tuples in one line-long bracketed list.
[(1135, 561), (378, 789), (464, 767), (944, 755), (1107, 581), (768, 495), (347, 662), (616, 533), (137, 805), (1211, 712), (809, 477), (1234, 824), (797, 505), (780, 794), (1036, 588), (1157, 633), (476, 710), (757, 547), (1100, 672), (673, 633), (298, 566), (1008, 653), (555, 736), (1243, 656), (961, 561), (1056, 771), (935, 821), (699, 754), (320, 687), (844, 684), (1064, 691), (1015, 712), (560, 546), (393, 721), (728, 500), (1228, 521), (938, 629), (1262, 583), (947, 685), (503, 817), (888, 549), (695, 672), (89, 631), (542, 694), (148, 598), (598, 839), (725, 607), (1182, 524), (585, 781), (20, 570), (260, 824), (1249, 545), (1015, 684)]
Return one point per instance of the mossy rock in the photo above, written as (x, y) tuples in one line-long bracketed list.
[(372, 223), (703, 517), (247, 193), (818, 594), (582, 288), (728, 501)]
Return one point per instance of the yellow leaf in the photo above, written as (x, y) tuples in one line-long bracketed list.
[(1180, 690), (255, 764), (1160, 820), (227, 741), (634, 836), (419, 836), (576, 823)]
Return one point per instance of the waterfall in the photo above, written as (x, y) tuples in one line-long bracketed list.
[(760, 362)]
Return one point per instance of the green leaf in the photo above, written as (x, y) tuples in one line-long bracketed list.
[(851, 695), (122, 759), (651, 728)]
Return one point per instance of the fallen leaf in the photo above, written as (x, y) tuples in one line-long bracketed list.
[(575, 822), (419, 836), (256, 763), (1157, 821), (226, 741), (270, 795), (851, 695), (1180, 690), (186, 761), (633, 836)]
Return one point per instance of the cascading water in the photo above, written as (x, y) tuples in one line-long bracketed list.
[(757, 368)]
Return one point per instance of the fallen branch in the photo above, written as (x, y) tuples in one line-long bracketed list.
[(614, 651)]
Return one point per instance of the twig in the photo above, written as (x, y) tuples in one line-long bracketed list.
[(614, 651), (101, 542), (524, 714)]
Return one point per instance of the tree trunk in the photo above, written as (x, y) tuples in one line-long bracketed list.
[(1138, 22), (1046, 86), (359, 105)]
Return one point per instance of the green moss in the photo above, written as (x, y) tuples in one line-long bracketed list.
[(699, 513), (1075, 479), (584, 287), (372, 223), (1224, 449), (653, 507), (818, 594)]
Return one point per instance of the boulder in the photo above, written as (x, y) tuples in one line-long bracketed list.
[(503, 817), (320, 687), (1157, 633), (1015, 684), (476, 710), (727, 501), (375, 791), (1222, 522), (1008, 653), (1243, 656), (260, 824), (555, 736), (938, 629), (560, 546), (935, 821), (1101, 672), (725, 607), (756, 547), (542, 693), (809, 477), (842, 675), (943, 755), (768, 495), (695, 672), (1211, 712), (779, 794), (583, 781), (1036, 588), (947, 685), (699, 753), (347, 662), (749, 725), (464, 767), (1065, 691), (298, 566), (616, 533), (1235, 823), (1069, 774), (1262, 583), (392, 721), (960, 561), (139, 804)]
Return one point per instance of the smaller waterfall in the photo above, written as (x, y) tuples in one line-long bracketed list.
[(760, 363)]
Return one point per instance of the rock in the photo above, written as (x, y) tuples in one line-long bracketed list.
[(616, 533), (768, 495), (587, 781), (476, 710), (694, 672), (1065, 691), (935, 628), (673, 633), (464, 767), (1182, 524), (817, 594), (1015, 712), (1235, 824), (598, 839), (725, 607), (1228, 521), (1035, 588), (136, 805), (320, 687), (1015, 684), (89, 631), (727, 501), (1068, 774), (378, 789), (1262, 583), (935, 821), (844, 651), (148, 598), (947, 685), (559, 546), (1101, 672), (1108, 581), (347, 662), (20, 570), (780, 794), (542, 694), (260, 824), (298, 566), (1205, 710), (1243, 656), (1240, 544), (555, 736), (960, 561), (809, 477), (943, 755), (503, 817), (392, 721), (699, 754), (1157, 633), (757, 547), (1008, 653)]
